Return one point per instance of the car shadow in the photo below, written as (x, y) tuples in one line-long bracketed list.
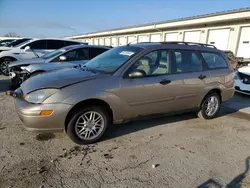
[(237, 182), (145, 123), (152, 121)]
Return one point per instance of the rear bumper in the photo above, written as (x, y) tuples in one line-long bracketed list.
[(227, 94), (32, 120)]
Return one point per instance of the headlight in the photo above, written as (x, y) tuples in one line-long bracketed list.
[(23, 68), (40, 95)]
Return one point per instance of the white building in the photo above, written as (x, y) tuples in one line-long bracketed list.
[(229, 30)]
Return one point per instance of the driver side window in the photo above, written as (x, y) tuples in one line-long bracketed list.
[(70, 56), (153, 64)]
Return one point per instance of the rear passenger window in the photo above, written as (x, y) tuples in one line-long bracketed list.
[(69, 43), (37, 45), (186, 61), (214, 61), (93, 52), (54, 44)]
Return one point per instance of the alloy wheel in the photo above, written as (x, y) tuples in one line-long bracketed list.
[(4, 67), (211, 106), (89, 125)]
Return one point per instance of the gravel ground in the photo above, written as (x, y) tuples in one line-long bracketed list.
[(178, 151)]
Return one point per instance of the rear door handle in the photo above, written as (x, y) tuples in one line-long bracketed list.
[(201, 77), (165, 82)]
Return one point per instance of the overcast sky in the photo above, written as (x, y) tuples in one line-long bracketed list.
[(56, 18)]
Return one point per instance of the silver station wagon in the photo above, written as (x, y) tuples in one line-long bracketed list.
[(124, 83)]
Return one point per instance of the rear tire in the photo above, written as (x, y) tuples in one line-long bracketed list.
[(84, 128), (210, 106), (15, 83), (4, 65)]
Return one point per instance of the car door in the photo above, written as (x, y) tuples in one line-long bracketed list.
[(37, 49), (187, 70), (152, 94)]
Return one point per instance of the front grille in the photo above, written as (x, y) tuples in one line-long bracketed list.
[(245, 78)]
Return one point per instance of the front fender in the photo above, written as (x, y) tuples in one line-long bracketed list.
[(112, 100)]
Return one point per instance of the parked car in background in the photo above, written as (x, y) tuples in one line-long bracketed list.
[(69, 56), (124, 83), (30, 49), (5, 42), (235, 61), (13, 43), (242, 80)]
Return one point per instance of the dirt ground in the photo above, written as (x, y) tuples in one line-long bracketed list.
[(180, 151)]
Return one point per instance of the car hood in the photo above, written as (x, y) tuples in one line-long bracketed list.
[(58, 79), (27, 62), (53, 66), (245, 70), (4, 48)]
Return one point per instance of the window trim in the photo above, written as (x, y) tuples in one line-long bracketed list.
[(174, 61), (126, 73), (202, 51)]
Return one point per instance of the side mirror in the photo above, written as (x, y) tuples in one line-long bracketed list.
[(137, 74), (26, 48), (62, 58)]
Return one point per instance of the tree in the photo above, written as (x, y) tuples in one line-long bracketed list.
[(11, 34)]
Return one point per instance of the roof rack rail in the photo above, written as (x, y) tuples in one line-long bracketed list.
[(190, 43), (184, 43)]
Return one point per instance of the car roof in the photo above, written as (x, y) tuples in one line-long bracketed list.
[(84, 45), (58, 39), (177, 44)]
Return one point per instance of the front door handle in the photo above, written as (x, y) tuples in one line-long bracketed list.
[(201, 77), (165, 82)]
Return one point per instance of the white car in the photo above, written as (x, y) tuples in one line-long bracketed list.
[(242, 80), (31, 49), (13, 43)]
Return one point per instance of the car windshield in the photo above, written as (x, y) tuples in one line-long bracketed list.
[(53, 53), (26, 42), (111, 60), (4, 42), (16, 42)]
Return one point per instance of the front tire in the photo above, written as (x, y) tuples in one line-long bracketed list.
[(88, 125), (210, 106), (4, 66)]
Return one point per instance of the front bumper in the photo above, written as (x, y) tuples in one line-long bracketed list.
[(32, 120), (241, 87)]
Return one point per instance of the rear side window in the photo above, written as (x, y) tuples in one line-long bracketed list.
[(37, 45), (214, 60), (186, 61), (82, 54), (93, 52), (55, 44), (69, 43)]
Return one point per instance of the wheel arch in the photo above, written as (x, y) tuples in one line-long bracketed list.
[(2, 58), (88, 102), (216, 90)]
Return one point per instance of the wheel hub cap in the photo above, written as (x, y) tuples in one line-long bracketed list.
[(89, 125), (211, 106)]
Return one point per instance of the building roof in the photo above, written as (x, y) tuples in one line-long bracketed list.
[(242, 10)]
